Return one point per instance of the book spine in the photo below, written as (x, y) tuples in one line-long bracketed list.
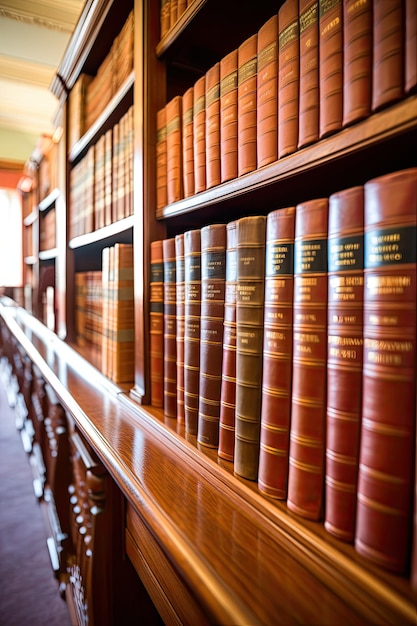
[(200, 134), (174, 149), (330, 66), (267, 93), (161, 159), (308, 131), (246, 105), (228, 116), (288, 77), (165, 17), (213, 126), (179, 271), (308, 402), (277, 353), (249, 338), (124, 332), (105, 259), (188, 142), (410, 77), (344, 360), (115, 171), (386, 463), (156, 323), (213, 277), (170, 328)]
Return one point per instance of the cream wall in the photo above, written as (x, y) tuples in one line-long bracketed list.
[(16, 145)]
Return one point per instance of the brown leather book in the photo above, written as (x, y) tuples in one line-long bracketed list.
[(344, 360), (228, 116), (156, 323), (288, 77), (200, 134), (388, 53), (357, 64), (170, 328), (123, 319), (386, 462), (174, 149), (213, 126), (228, 390), (173, 12), (308, 402), (410, 46), (277, 353), (267, 92), (188, 142), (213, 278), (165, 17), (179, 275), (308, 127), (246, 105), (161, 159), (192, 313), (249, 341), (413, 576), (330, 66)]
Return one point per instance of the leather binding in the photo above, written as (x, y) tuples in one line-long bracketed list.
[(170, 328), (410, 77), (357, 63), (188, 142), (156, 323), (308, 402), (277, 353), (413, 575), (161, 159), (165, 17), (228, 391), (123, 321), (308, 130), (173, 12), (174, 149), (179, 275), (228, 116), (344, 360), (213, 278), (192, 312), (213, 126), (386, 462), (267, 93), (288, 77), (388, 53), (246, 105), (249, 338), (330, 66), (200, 134)]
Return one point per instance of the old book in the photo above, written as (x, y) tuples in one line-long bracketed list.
[(228, 391), (330, 66), (308, 123), (344, 360), (308, 402), (267, 93), (99, 218), (357, 64), (165, 17), (388, 53), (192, 312), (246, 105), (200, 134), (173, 12), (386, 463), (249, 341), (213, 278), (108, 176), (123, 322), (410, 77), (288, 77), (115, 171), (105, 277), (179, 274), (174, 149), (161, 159), (413, 574), (156, 324), (188, 142), (213, 126), (170, 328), (228, 116), (277, 353)]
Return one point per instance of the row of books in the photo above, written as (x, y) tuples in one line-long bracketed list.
[(47, 236), (88, 308), (312, 69), (101, 183), (288, 342), (170, 13)]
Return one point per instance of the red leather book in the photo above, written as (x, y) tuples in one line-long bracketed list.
[(246, 105), (179, 275), (228, 116), (170, 328), (188, 142), (267, 92), (200, 134), (288, 77), (344, 360), (308, 131), (213, 278), (156, 323), (357, 68), (213, 126), (330, 66), (386, 463), (277, 353), (174, 149), (192, 312), (308, 402), (410, 46), (228, 390), (249, 338), (388, 53), (161, 159)]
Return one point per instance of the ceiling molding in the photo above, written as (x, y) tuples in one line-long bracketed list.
[(26, 72), (61, 16)]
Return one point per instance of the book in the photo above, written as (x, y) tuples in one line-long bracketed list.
[(105, 276), (277, 353), (123, 330), (246, 105), (192, 312), (330, 66), (387, 440), (213, 278), (108, 176), (200, 134), (228, 390), (188, 142), (161, 159), (165, 17), (267, 93), (174, 149), (308, 401), (344, 360), (410, 77), (288, 77), (308, 121), (213, 126), (250, 240), (170, 328), (156, 324), (179, 274), (228, 116)]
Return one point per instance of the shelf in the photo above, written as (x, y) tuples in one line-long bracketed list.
[(46, 255), (49, 200), (103, 234), (31, 218), (30, 260)]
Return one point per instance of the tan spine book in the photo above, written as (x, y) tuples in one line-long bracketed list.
[(188, 142), (267, 93), (246, 105), (288, 77), (174, 150), (308, 127), (165, 17), (308, 403), (200, 134), (344, 360), (330, 66), (179, 270), (388, 53), (410, 77), (386, 459), (156, 324), (228, 116), (170, 328), (123, 322), (277, 353), (249, 340), (213, 126), (161, 159), (192, 318)]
